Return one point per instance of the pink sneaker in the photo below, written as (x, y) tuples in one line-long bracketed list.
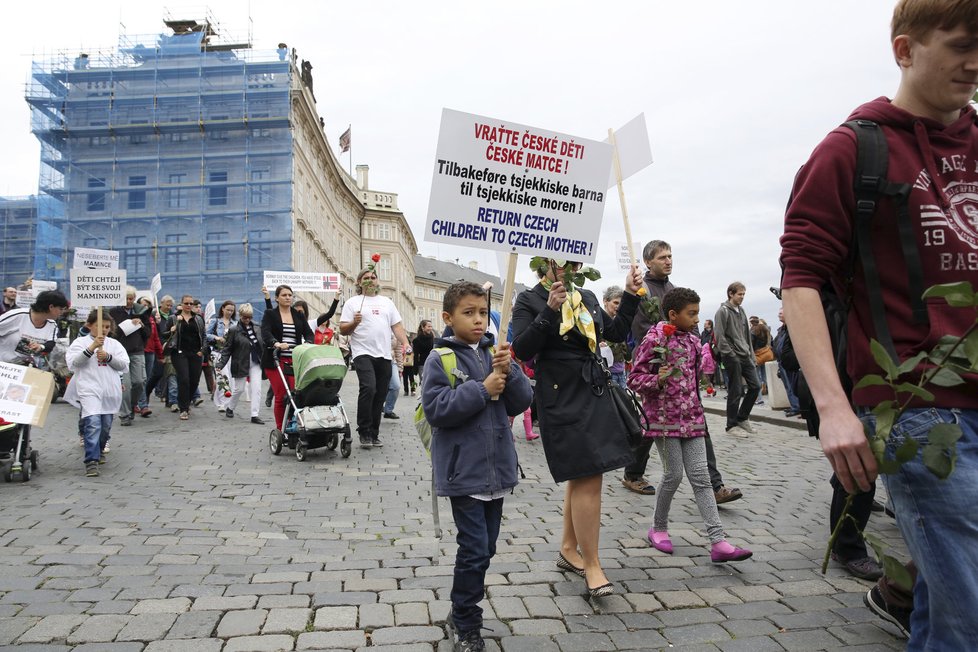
[(723, 551), (660, 541)]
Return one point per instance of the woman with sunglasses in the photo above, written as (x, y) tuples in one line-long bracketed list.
[(187, 337)]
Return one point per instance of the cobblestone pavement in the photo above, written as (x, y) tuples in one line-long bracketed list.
[(196, 539)]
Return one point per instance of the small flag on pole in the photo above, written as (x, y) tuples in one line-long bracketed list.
[(345, 141)]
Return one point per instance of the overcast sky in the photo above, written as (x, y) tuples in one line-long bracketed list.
[(735, 94)]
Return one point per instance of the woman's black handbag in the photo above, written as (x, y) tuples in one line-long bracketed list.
[(630, 412)]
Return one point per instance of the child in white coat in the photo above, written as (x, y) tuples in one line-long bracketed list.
[(96, 362)]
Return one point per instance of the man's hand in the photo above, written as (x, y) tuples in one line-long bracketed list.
[(495, 383), (137, 322), (357, 318), (844, 442)]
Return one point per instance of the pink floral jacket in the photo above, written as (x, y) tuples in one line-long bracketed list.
[(674, 410)]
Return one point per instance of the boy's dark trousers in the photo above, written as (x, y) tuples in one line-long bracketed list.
[(477, 522)]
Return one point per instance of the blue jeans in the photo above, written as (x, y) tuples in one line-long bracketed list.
[(940, 525), (95, 430), (150, 369), (790, 381), (393, 389), (478, 528), (618, 378)]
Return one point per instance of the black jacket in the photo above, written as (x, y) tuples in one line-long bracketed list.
[(657, 287), (238, 349), (173, 341), (135, 342), (271, 333)]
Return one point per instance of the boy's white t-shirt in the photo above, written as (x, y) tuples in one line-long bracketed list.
[(373, 336)]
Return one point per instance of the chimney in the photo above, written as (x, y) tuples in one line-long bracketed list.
[(474, 264), (362, 175)]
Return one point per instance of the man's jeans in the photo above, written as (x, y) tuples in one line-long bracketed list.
[(148, 373), (95, 430), (738, 408), (477, 522), (374, 377), (393, 389), (790, 381), (939, 522), (133, 382)]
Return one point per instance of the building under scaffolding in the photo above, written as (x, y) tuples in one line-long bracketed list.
[(205, 161), (18, 229)]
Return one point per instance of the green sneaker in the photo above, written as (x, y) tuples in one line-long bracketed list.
[(91, 469)]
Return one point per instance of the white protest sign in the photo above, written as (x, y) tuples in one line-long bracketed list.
[(26, 297), (303, 281), (518, 189), (634, 151), (621, 253), (98, 287), (95, 259)]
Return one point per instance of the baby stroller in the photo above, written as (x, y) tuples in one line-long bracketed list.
[(314, 415), (16, 455)]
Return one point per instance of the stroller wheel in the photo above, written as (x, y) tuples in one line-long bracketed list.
[(275, 441), (33, 458), (300, 452), (346, 446), (332, 441), (25, 472), (7, 475)]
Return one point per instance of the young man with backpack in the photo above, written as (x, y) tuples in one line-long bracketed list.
[(918, 234)]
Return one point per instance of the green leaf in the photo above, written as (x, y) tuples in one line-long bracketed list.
[(887, 466), (897, 573), (959, 295), (591, 273), (909, 365), (870, 380), (883, 359), (919, 392), (945, 435), (878, 446), (939, 460), (885, 413), (875, 543), (946, 378), (907, 450), (970, 348)]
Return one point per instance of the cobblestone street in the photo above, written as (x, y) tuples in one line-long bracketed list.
[(196, 539)]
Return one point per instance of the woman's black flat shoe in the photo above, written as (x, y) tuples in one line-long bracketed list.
[(601, 591), (563, 564)]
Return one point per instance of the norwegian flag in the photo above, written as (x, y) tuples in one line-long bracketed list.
[(331, 282)]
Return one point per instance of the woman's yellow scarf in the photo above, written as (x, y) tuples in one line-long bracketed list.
[(573, 313)]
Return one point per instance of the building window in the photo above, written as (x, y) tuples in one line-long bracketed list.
[(96, 197), (135, 256), (217, 195), (383, 231), (137, 197), (384, 268), (176, 197), (175, 257), (258, 193), (259, 249), (139, 139), (217, 254)]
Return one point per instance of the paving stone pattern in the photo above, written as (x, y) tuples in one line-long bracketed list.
[(195, 538)]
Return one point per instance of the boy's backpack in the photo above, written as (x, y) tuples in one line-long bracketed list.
[(450, 363), (870, 186)]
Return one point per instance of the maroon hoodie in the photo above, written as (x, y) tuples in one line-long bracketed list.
[(941, 163)]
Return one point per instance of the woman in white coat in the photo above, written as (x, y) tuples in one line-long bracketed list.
[(96, 362)]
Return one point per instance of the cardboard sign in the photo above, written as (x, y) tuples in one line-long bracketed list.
[(95, 259), (518, 189), (25, 394), (98, 287), (621, 253), (303, 281)]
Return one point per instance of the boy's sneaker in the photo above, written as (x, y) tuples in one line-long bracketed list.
[(174, 407), (469, 641), (738, 431), (91, 469), (746, 425), (896, 615), (103, 458)]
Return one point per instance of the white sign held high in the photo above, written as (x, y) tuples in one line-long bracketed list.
[(303, 281), (634, 151), (518, 189), (621, 253), (98, 287), (95, 259)]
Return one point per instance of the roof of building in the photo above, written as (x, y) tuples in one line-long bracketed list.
[(445, 272)]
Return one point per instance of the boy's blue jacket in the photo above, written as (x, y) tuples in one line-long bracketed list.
[(472, 450)]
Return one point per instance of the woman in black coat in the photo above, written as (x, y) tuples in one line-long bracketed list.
[(187, 336), (282, 329), (583, 436)]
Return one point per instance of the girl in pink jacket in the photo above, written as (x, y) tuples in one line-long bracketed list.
[(665, 373)]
